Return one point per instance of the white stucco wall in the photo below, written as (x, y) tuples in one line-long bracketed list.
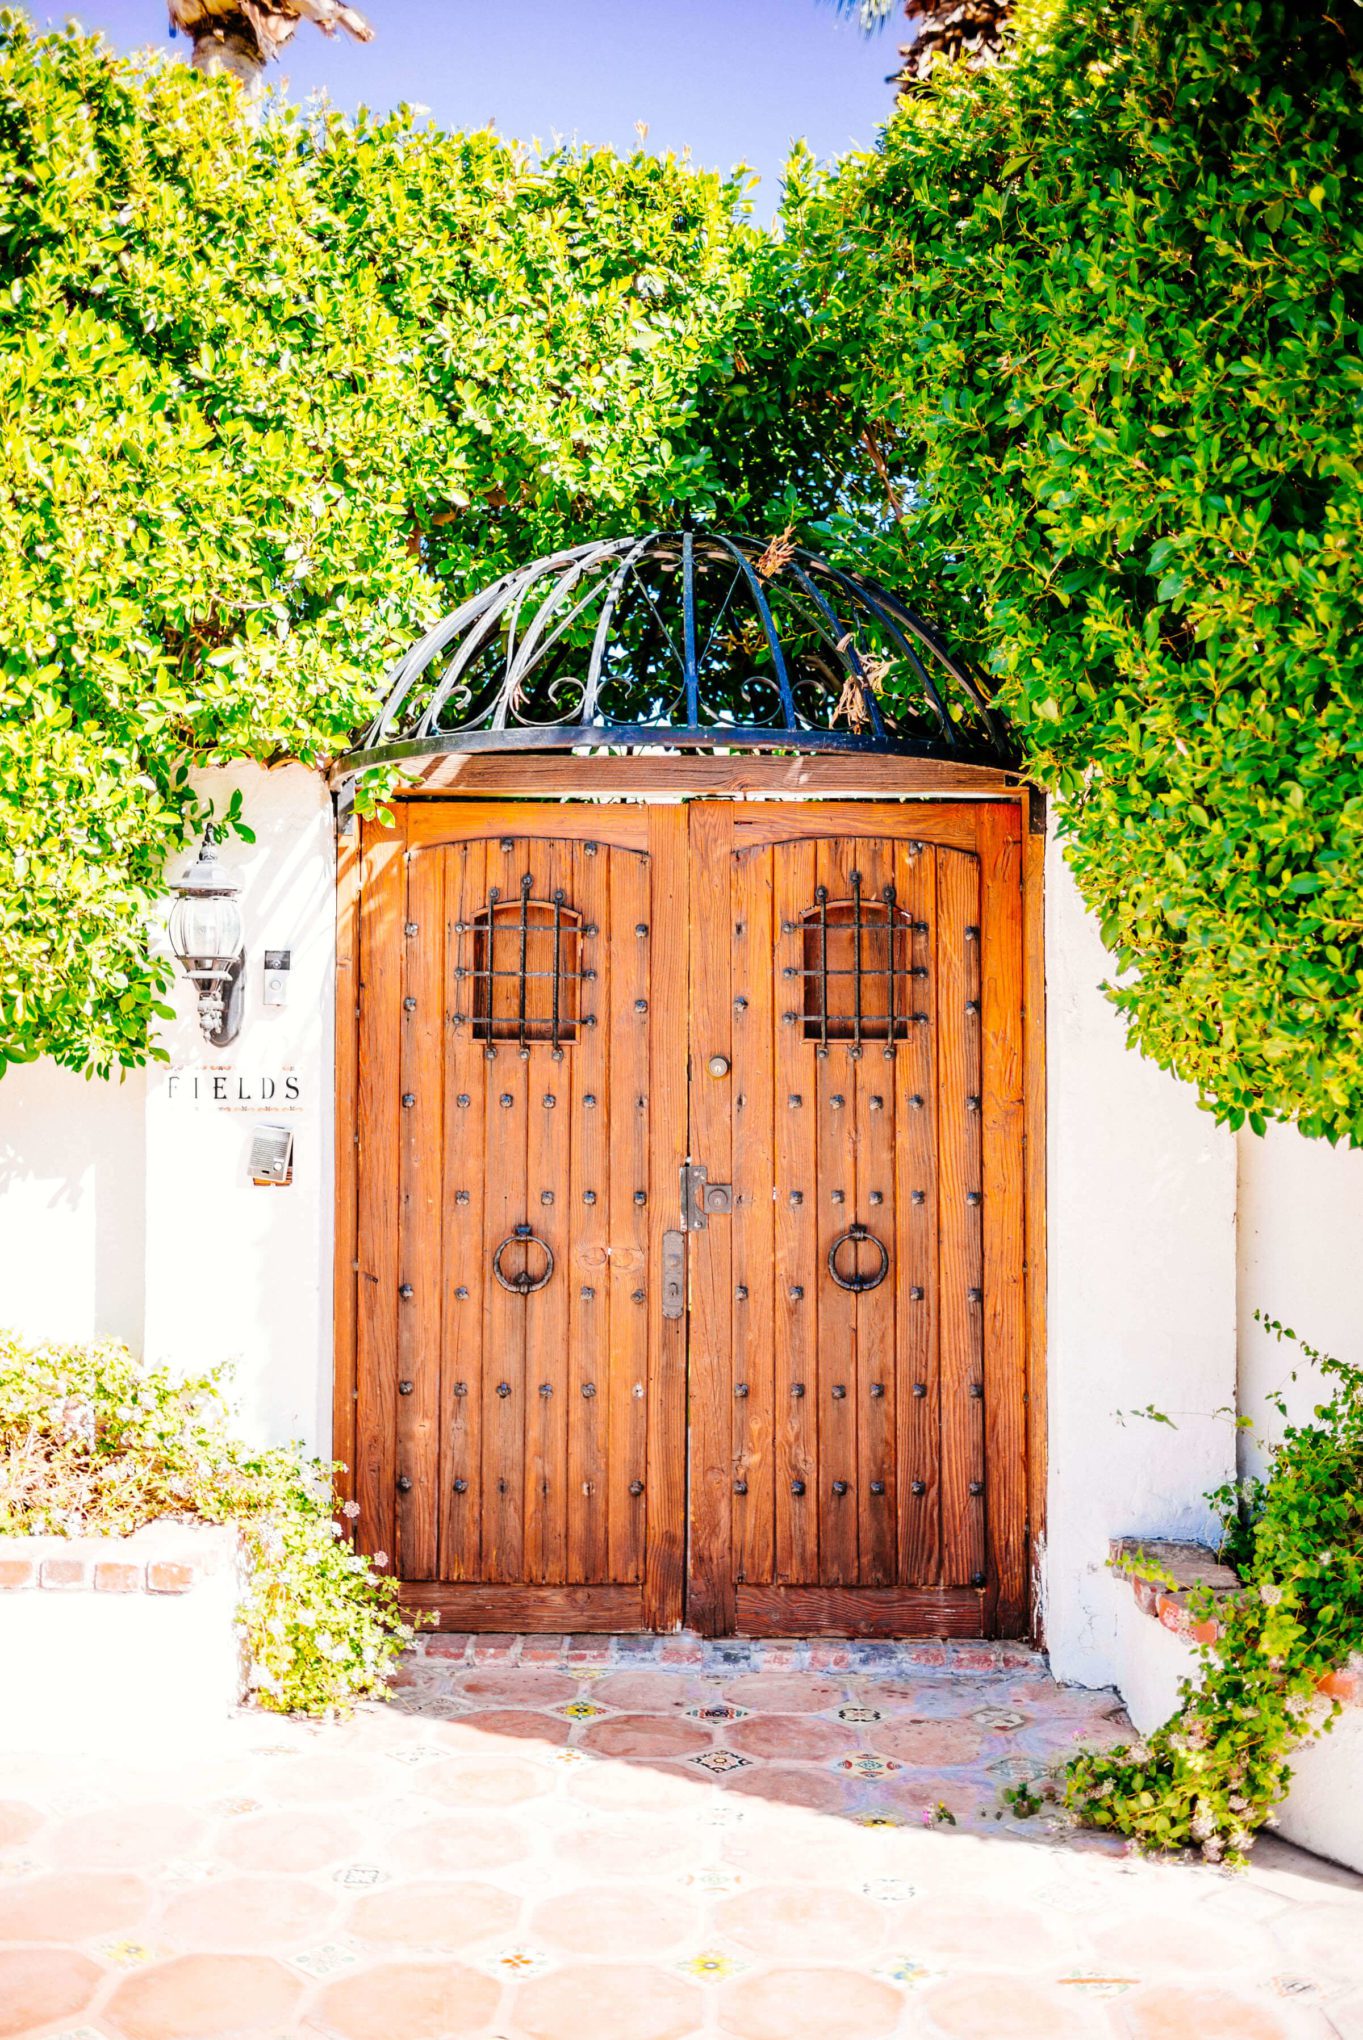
[(126, 1209), (72, 1204), (237, 1272), (1300, 1254), (1141, 1285)]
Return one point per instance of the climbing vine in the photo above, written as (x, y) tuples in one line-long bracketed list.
[(273, 396), (1211, 1776), (1087, 329)]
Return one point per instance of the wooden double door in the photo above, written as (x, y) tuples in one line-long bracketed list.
[(689, 1215)]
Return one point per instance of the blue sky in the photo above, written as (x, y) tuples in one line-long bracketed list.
[(736, 80)]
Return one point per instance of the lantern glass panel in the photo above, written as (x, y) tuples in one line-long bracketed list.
[(206, 925)]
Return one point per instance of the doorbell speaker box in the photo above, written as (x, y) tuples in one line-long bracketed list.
[(277, 962), (272, 1155)]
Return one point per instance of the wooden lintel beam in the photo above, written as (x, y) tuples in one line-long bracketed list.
[(527, 775)]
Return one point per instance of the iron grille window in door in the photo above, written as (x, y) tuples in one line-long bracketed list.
[(857, 968), (527, 969)]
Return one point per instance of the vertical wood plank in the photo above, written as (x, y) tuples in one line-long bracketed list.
[(507, 1092), (959, 1228), (669, 1036), (381, 945), (712, 1569), (754, 1167), (795, 1346), (836, 1191), (1003, 1165), (916, 1274), (634, 1282), (466, 1268), (587, 1235), (1034, 1060), (877, 1208), (346, 1264), (421, 1253), (548, 1174)]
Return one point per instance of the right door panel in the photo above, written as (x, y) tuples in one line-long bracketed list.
[(873, 1380)]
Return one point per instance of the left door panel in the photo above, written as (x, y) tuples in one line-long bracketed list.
[(521, 1121)]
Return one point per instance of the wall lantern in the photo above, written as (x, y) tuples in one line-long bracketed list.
[(206, 936)]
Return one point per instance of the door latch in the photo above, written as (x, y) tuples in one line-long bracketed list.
[(701, 1199), (674, 1274)]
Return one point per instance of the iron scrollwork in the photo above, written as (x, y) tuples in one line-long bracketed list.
[(686, 640), (857, 1281), (523, 1283)]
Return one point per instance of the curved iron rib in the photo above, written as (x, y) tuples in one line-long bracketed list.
[(820, 606)]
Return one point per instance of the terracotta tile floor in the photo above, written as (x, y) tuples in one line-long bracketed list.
[(646, 1841)]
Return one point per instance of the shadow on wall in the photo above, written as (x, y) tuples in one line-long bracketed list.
[(1300, 1236), (72, 1204)]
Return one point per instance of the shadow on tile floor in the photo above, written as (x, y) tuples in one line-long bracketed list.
[(645, 1839)]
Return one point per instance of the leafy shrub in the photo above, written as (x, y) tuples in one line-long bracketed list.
[(1212, 1775), (92, 1443), (1074, 358), (272, 398), (1084, 338)]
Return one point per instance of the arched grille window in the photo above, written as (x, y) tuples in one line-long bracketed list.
[(856, 968), (527, 969)]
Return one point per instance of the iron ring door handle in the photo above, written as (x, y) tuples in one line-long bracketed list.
[(858, 1282), (523, 1284)]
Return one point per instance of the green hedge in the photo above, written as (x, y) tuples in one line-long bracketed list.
[(1074, 358), (1098, 313), (270, 399)]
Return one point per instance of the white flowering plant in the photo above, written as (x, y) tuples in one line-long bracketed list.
[(1211, 1776), (94, 1443)]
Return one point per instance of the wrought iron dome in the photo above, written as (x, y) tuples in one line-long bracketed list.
[(682, 641)]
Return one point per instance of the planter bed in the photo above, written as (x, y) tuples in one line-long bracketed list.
[(112, 1641), (1157, 1642)]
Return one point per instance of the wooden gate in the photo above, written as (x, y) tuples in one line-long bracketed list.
[(689, 1216)]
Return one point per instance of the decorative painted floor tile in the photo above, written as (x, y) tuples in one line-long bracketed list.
[(129, 1954), (717, 1713), (327, 1960), (889, 1890), (721, 1882), (580, 1710), (1017, 1770), (518, 1961), (1296, 1987), (721, 1760), (860, 1714), (711, 1968), (904, 1970), (866, 1764), (998, 1717), (1090, 1984)]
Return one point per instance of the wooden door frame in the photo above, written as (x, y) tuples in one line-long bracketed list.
[(549, 776)]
